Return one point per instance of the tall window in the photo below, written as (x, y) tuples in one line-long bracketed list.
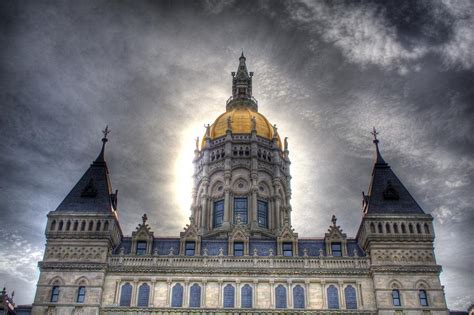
[(262, 213), (396, 298), (195, 296), (238, 248), (229, 296), (177, 296), (351, 298), (143, 295), (287, 249), (126, 295), (246, 296), (336, 249), (241, 209), (333, 297), (55, 294), (218, 213), (280, 297), (141, 248), (81, 295), (190, 248), (423, 298), (298, 297)]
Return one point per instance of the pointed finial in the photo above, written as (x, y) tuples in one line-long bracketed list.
[(334, 220), (106, 131), (101, 157), (379, 159), (144, 218), (242, 55)]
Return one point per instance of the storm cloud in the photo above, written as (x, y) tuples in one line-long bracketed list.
[(325, 72)]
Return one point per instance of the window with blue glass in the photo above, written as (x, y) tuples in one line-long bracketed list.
[(141, 248), (143, 295), (195, 296), (126, 295), (333, 297), (246, 296), (190, 248), (262, 213), (177, 296), (351, 297), (336, 249), (241, 210), (238, 248), (55, 294), (218, 213), (298, 297), (81, 294), (423, 298), (288, 249), (396, 298), (280, 297), (229, 296)]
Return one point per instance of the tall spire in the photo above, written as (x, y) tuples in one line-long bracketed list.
[(101, 157), (378, 158), (242, 86)]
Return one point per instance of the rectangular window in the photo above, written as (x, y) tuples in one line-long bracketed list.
[(81, 295), (190, 247), (141, 248), (287, 249), (218, 215), (336, 249), (262, 213), (241, 210), (238, 249)]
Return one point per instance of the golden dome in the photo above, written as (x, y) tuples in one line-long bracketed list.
[(241, 118)]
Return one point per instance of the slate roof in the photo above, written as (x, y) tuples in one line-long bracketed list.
[(93, 192), (387, 194)]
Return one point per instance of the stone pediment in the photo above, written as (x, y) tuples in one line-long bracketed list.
[(335, 231)]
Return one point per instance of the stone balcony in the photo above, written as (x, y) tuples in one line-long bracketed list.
[(225, 264)]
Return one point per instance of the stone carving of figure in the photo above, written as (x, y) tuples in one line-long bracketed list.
[(206, 251), (155, 251), (255, 252), (208, 130), (229, 123), (356, 254), (305, 252), (270, 252), (122, 250), (254, 123), (171, 253), (286, 143), (197, 144), (321, 252), (221, 251)]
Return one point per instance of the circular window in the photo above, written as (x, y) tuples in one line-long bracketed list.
[(241, 185)]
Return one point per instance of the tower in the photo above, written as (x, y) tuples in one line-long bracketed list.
[(242, 170), (398, 237), (80, 235)]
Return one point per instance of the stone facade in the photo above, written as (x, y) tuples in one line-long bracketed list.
[(239, 252)]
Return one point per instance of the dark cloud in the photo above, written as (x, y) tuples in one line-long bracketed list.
[(155, 72)]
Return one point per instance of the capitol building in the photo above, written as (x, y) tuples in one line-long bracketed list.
[(239, 253)]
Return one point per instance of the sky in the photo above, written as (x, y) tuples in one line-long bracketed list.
[(155, 72)]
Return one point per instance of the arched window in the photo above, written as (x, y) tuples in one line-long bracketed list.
[(143, 295), (380, 228), (229, 296), (81, 294), (68, 225), (106, 226), (195, 296), (396, 298), (177, 296), (427, 229), (410, 228), (280, 297), (53, 225), (372, 228), (55, 294), (97, 227), (83, 226), (126, 295), (76, 224), (395, 228), (91, 224), (246, 296), (351, 298), (298, 297), (333, 297), (218, 213), (262, 213), (404, 230), (241, 209), (387, 228), (418, 228), (60, 227), (423, 298)]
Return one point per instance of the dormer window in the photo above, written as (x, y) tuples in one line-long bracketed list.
[(238, 248), (336, 249), (141, 248), (190, 248), (288, 249)]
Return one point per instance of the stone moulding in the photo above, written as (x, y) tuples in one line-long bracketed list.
[(176, 311)]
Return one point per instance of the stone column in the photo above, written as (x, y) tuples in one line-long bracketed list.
[(290, 294), (255, 296), (237, 289), (272, 293), (359, 295), (117, 291), (341, 295), (186, 293), (134, 292), (220, 294), (168, 292), (203, 293), (152, 293), (323, 287), (306, 293)]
